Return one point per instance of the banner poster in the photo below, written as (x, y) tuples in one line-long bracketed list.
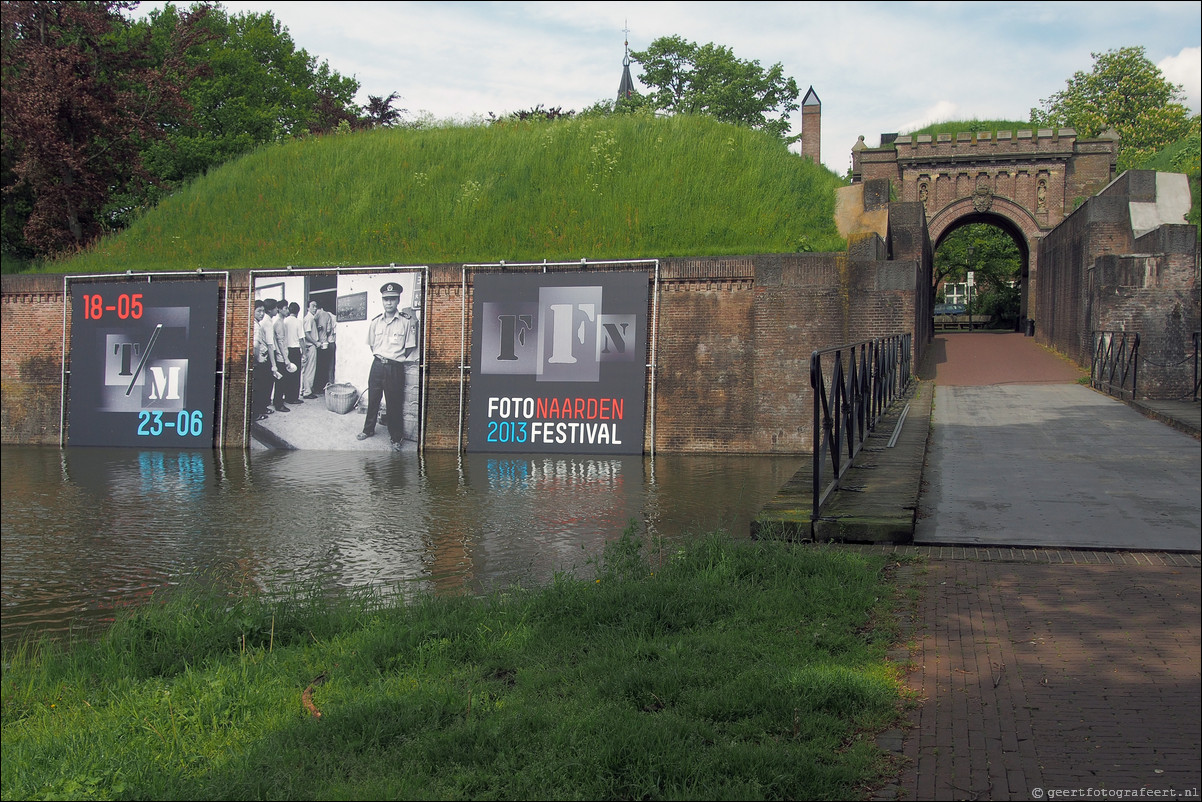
[(338, 361), (558, 363), (143, 364)]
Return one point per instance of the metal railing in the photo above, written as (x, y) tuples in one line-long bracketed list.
[(864, 379), (1115, 366), (1197, 363)]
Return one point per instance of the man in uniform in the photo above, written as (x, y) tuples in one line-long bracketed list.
[(392, 338)]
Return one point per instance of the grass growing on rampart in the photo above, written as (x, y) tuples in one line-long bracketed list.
[(728, 670), (595, 188), (954, 127)]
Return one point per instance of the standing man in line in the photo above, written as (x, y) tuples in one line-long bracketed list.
[(265, 369), (287, 340), (327, 347), (309, 351), (294, 339), (274, 355), (392, 338)]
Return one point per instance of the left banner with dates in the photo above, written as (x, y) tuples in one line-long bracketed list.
[(143, 362)]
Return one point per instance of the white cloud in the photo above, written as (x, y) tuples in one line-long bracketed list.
[(877, 66), (1185, 68)]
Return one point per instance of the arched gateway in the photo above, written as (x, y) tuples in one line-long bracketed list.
[(1024, 182)]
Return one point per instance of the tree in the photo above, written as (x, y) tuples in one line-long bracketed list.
[(251, 85), (379, 111), (995, 260), (81, 99), (537, 112), (1126, 92), (690, 79)]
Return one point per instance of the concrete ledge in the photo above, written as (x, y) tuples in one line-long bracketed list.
[(1184, 416), (878, 498)]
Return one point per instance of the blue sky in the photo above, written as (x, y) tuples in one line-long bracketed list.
[(877, 67)]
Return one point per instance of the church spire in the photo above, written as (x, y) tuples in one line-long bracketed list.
[(626, 87)]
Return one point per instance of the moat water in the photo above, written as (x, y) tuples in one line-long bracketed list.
[(89, 531)]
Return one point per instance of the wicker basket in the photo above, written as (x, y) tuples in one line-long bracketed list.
[(341, 398)]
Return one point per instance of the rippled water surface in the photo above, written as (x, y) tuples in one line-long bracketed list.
[(87, 531)]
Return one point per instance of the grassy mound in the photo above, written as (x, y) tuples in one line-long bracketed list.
[(519, 191)]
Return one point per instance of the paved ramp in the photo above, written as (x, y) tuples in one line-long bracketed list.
[(1020, 454)]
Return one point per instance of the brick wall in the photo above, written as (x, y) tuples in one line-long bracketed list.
[(1097, 276), (31, 365), (733, 344)]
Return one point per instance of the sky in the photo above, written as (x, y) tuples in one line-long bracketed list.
[(876, 67)]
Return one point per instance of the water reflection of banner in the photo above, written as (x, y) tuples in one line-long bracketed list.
[(558, 362), (123, 476), (557, 509)]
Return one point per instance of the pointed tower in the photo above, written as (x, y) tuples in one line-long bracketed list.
[(626, 87), (811, 127)]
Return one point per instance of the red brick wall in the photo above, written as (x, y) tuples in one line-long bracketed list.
[(733, 343), (31, 364), (1096, 276)]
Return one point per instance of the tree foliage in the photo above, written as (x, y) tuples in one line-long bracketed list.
[(1126, 92), (980, 247), (82, 98), (687, 78), (379, 111), (250, 85), (103, 115)]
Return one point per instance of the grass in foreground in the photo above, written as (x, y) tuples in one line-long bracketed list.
[(724, 671)]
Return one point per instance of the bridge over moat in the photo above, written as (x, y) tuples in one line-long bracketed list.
[(998, 446)]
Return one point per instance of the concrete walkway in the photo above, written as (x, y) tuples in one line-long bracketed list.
[(1021, 454), (1055, 647)]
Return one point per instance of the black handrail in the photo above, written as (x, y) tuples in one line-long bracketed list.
[(1197, 337), (847, 409), (1115, 365)]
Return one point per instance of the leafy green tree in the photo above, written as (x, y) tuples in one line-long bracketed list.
[(252, 85), (81, 99), (1124, 91), (995, 261), (687, 78), (633, 104)]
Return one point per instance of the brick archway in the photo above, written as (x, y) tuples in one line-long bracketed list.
[(1027, 182), (1002, 213)]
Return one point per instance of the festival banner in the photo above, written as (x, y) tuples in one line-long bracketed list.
[(337, 360), (558, 362), (143, 364)]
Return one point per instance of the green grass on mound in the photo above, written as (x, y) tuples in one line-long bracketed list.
[(595, 188), (954, 127)]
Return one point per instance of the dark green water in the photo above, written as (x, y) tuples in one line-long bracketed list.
[(88, 531)]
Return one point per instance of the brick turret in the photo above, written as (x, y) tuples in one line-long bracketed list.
[(811, 127)]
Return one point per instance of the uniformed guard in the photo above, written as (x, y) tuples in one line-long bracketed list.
[(392, 338)]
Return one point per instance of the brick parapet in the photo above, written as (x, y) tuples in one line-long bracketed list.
[(1097, 276), (985, 146)]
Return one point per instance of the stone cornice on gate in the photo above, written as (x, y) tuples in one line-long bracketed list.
[(1017, 214), (1007, 147)]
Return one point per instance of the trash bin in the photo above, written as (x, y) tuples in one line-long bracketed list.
[(1030, 328)]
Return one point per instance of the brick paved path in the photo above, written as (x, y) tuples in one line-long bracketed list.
[(1041, 670), (1060, 677)]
